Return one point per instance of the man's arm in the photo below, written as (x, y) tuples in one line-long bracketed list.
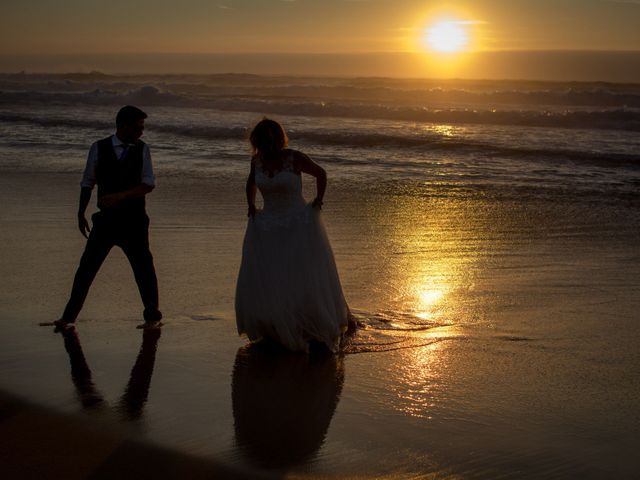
[(87, 184), (111, 199), (85, 197)]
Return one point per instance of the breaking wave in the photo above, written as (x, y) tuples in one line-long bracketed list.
[(598, 109), (356, 139)]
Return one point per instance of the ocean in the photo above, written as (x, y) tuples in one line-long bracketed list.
[(487, 237), (465, 134)]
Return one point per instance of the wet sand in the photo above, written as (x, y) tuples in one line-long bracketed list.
[(501, 334)]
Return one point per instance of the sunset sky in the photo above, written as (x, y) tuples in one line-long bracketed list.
[(327, 26), (91, 27)]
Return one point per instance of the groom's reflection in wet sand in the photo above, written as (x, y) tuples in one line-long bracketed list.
[(135, 395), (283, 403), (88, 395), (131, 404)]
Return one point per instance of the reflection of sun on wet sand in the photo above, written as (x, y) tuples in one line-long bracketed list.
[(283, 403), (388, 331)]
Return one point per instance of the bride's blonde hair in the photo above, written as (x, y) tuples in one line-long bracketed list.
[(268, 138)]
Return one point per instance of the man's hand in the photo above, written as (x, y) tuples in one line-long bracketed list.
[(110, 199), (252, 210), (83, 225)]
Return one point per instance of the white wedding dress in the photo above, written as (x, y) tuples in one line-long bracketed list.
[(288, 287)]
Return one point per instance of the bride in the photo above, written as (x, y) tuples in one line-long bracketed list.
[(288, 287)]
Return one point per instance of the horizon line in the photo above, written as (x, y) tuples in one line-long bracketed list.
[(398, 52), (318, 76)]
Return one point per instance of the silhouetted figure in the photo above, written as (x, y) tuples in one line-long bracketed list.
[(288, 286), (283, 403), (121, 167), (135, 395)]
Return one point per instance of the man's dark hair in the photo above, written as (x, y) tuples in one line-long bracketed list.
[(128, 115)]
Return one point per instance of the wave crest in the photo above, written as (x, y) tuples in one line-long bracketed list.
[(609, 110)]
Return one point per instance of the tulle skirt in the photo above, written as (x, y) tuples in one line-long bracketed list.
[(288, 287)]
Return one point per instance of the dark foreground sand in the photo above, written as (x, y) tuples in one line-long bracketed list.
[(41, 443)]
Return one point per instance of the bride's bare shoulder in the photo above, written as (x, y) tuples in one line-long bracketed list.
[(298, 159)]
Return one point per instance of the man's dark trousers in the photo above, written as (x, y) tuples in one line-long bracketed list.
[(130, 232)]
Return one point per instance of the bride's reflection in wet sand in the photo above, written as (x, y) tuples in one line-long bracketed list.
[(283, 403), (132, 402)]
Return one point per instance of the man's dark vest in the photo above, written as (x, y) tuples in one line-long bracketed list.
[(117, 175)]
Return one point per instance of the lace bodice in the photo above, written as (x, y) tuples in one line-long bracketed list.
[(281, 190)]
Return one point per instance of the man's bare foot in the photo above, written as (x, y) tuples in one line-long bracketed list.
[(63, 326), (149, 325), (59, 324)]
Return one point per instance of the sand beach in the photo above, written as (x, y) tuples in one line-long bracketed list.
[(499, 335)]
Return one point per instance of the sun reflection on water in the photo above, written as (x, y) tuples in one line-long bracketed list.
[(444, 130), (428, 299), (430, 262), (419, 384)]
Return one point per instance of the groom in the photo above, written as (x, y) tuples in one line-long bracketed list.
[(121, 167)]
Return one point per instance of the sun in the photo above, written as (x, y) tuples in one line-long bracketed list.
[(447, 36)]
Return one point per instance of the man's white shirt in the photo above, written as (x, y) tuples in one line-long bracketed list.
[(89, 176)]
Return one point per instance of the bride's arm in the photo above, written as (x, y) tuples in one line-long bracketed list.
[(251, 190), (306, 165)]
